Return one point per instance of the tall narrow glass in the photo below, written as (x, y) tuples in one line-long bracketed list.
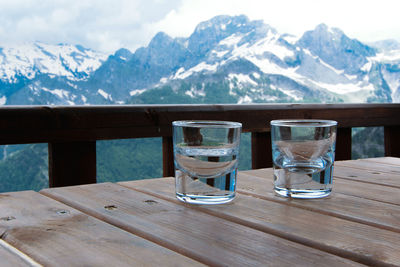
[(206, 155), (303, 153)]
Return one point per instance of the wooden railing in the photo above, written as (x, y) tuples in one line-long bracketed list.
[(72, 131)]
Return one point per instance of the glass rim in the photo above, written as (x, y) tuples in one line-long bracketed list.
[(303, 123), (207, 123)]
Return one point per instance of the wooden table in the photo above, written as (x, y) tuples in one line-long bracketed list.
[(141, 223)]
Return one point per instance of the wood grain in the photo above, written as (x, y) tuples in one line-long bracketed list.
[(363, 243), (370, 212), (142, 223), (353, 186), (367, 176), (89, 123), (68, 128), (54, 234), (206, 238), (362, 164), (385, 160), (10, 256), (383, 194)]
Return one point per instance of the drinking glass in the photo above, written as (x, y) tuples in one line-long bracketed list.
[(206, 155), (303, 153)]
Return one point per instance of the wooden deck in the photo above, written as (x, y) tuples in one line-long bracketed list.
[(72, 131), (142, 223)]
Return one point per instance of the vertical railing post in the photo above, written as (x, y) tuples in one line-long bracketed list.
[(343, 144), (72, 163), (168, 156), (392, 141), (261, 152)]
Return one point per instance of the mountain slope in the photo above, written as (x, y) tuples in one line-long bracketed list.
[(29, 60), (260, 65), (39, 73), (227, 59)]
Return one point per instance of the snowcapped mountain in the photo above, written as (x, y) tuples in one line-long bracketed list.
[(249, 61), (225, 60), (26, 72), (28, 60)]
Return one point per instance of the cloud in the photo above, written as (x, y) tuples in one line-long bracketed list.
[(103, 25), (367, 20), (108, 25)]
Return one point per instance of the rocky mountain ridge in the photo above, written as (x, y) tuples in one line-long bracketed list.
[(225, 60)]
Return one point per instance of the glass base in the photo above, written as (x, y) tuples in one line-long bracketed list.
[(302, 193), (208, 200)]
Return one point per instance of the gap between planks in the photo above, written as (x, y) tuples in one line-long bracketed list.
[(51, 232), (25, 258), (298, 240), (262, 228), (366, 182), (321, 211), (142, 234), (365, 164), (392, 161), (288, 203), (387, 195)]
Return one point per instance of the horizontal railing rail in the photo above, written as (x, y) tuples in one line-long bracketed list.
[(72, 131)]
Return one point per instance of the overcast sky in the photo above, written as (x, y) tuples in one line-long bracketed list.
[(108, 25)]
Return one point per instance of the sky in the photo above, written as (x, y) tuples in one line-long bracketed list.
[(107, 25)]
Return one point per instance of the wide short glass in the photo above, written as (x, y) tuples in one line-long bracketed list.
[(303, 153), (206, 155)]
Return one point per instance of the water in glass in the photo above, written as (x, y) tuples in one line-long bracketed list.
[(303, 156), (206, 174), (206, 155)]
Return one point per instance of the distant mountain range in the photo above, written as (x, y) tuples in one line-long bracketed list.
[(225, 60)]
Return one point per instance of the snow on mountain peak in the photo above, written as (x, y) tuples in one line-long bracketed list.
[(30, 59), (221, 22), (248, 60), (388, 56)]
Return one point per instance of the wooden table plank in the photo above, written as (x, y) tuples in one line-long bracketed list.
[(382, 193), (385, 194), (371, 212), (206, 238), (367, 176), (371, 165), (365, 170), (54, 234), (385, 160), (363, 243), (10, 256)]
